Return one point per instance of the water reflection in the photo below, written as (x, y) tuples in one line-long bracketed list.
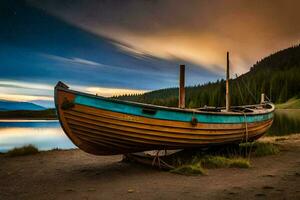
[(45, 135), (29, 123), (286, 121)]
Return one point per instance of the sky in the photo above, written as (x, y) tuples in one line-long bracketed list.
[(117, 47)]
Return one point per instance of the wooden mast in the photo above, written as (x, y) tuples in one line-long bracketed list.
[(181, 103), (227, 85)]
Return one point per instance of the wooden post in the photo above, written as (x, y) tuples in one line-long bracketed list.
[(227, 85), (262, 98), (181, 103)]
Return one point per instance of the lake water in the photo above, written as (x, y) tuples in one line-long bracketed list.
[(44, 134), (47, 134), (286, 121)]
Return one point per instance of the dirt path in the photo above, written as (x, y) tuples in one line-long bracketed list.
[(77, 175)]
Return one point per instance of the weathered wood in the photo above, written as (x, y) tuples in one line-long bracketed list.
[(227, 85), (105, 132), (152, 125), (182, 87)]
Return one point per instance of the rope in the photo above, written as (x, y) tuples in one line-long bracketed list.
[(250, 151), (246, 127), (156, 157), (252, 95), (167, 165), (238, 85), (160, 162), (245, 117), (269, 100), (246, 137)]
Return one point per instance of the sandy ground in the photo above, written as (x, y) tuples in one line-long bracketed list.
[(74, 174)]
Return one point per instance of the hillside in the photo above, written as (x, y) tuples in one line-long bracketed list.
[(27, 114), (44, 103), (13, 105), (292, 103), (278, 76)]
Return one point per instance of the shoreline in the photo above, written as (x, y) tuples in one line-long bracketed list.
[(28, 118), (73, 174)]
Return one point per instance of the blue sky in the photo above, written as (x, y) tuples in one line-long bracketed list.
[(39, 49), (113, 47)]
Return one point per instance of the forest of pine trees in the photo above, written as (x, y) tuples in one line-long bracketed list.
[(278, 76)]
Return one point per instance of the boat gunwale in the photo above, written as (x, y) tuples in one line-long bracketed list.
[(165, 126), (264, 111)]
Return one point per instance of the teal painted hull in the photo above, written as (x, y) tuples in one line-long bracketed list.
[(171, 114)]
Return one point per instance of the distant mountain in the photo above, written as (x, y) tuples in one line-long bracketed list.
[(44, 103), (13, 105), (277, 75)]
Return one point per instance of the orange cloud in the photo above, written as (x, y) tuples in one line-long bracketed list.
[(197, 31), (109, 92)]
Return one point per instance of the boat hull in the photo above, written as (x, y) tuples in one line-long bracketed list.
[(105, 127)]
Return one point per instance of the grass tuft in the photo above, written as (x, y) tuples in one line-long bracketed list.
[(231, 156), (264, 149), (223, 162), (215, 161), (191, 169), (22, 151), (199, 163), (261, 148), (190, 162), (239, 163)]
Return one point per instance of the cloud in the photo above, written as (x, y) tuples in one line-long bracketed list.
[(85, 62), (13, 90), (109, 67), (196, 31), (135, 52), (18, 97), (109, 92), (101, 91), (75, 60), (24, 85)]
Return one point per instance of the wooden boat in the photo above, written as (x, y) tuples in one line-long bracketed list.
[(106, 126)]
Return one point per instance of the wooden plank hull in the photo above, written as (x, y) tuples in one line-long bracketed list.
[(104, 127)]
